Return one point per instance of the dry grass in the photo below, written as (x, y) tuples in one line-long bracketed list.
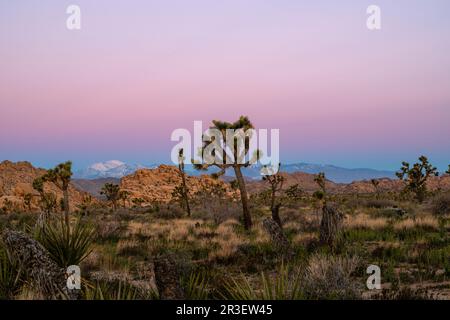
[(364, 221), (421, 222), (227, 239)]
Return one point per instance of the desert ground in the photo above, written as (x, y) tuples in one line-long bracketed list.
[(145, 245)]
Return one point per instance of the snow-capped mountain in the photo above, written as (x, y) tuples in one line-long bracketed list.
[(333, 173), (119, 169), (108, 169)]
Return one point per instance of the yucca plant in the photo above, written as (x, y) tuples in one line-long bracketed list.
[(119, 290), (67, 246), (285, 285), (10, 277), (196, 286)]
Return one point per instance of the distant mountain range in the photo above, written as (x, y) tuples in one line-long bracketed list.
[(118, 169), (109, 169)]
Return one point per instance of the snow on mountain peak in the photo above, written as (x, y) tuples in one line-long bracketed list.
[(108, 165), (107, 169)]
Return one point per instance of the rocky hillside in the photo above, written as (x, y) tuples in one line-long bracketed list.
[(16, 179), (157, 185)]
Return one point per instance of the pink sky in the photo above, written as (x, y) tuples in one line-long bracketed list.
[(137, 70)]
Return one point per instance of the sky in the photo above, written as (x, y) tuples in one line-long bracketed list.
[(137, 70)]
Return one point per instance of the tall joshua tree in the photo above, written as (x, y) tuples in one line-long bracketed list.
[(184, 189), (112, 193), (240, 149), (60, 176), (416, 177)]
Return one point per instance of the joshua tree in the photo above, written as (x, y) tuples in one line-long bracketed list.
[(124, 196), (448, 171), (417, 176), (376, 184), (183, 190), (8, 206), (240, 148), (27, 197), (85, 205), (331, 223), (276, 185), (320, 180), (294, 192), (48, 200), (60, 176), (112, 193)]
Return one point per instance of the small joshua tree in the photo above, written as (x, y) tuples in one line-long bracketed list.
[(331, 223), (183, 189), (320, 180), (376, 184), (124, 195), (294, 193), (27, 198), (416, 177), (448, 171), (276, 185), (48, 200), (60, 176), (85, 205), (8, 206), (224, 160), (112, 193)]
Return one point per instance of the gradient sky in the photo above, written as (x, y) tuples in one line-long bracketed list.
[(339, 93)]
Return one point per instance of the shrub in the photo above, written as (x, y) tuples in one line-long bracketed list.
[(405, 293), (169, 212), (109, 230), (196, 286), (441, 205), (379, 203), (10, 277), (285, 285), (67, 246), (329, 277), (117, 290)]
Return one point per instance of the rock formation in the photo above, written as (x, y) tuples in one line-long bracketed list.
[(157, 185), (16, 180), (46, 278)]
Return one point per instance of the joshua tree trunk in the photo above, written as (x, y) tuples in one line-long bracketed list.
[(66, 206), (244, 198), (185, 192), (276, 214), (275, 208)]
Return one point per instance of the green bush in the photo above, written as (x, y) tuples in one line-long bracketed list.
[(10, 277), (441, 205), (67, 247), (285, 285)]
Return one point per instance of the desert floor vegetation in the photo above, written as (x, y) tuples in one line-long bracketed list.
[(217, 258)]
